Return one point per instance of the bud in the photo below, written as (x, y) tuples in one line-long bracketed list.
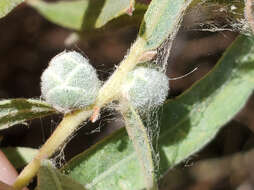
[(145, 88), (69, 82)]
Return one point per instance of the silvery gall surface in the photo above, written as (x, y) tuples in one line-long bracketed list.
[(69, 82)]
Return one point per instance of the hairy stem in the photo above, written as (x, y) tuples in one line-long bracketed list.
[(67, 126), (70, 122), (111, 88)]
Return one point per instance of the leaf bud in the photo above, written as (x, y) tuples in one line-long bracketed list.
[(145, 88), (69, 82)]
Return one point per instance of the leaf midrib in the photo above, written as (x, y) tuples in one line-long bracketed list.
[(110, 170), (114, 166)]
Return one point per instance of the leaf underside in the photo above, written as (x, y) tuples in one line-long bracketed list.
[(187, 123), (161, 21), (18, 111), (83, 14)]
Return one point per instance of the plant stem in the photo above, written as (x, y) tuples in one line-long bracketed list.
[(67, 126), (70, 122), (112, 87)]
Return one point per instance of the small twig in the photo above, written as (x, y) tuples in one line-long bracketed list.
[(248, 14), (110, 89), (67, 126)]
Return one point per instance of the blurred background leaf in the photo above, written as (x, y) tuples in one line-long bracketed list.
[(6, 6), (19, 156), (85, 15)]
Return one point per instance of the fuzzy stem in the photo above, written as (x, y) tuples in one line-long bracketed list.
[(111, 88), (70, 122), (67, 126)]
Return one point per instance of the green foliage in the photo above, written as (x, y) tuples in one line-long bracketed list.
[(83, 14), (188, 123), (7, 5), (17, 111), (51, 179), (19, 156), (162, 20)]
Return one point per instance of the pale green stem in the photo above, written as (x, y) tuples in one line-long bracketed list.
[(67, 126), (70, 122), (111, 88)]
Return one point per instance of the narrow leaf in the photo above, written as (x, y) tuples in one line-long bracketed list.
[(82, 14), (17, 111), (7, 5), (143, 145), (112, 9), (19, 156), (50, 178), (162, 18), (188, 123)]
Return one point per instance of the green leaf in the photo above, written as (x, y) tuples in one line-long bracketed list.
[(162, 18), (7, 5), (188, 123), (111, 9), (19, 156), (143, 144), (115, 24), (82, 14), (17, 111), (50, 178)]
